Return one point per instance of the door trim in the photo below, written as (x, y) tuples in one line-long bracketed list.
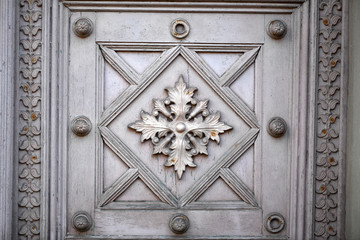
[(45, 216)]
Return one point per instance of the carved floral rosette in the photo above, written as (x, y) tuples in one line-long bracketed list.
[(180, 126)]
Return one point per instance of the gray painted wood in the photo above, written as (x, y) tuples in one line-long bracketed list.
[(274, 94), (62, 177), (7, 116)]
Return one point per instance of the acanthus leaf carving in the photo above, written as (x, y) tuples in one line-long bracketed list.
[(180, 126)]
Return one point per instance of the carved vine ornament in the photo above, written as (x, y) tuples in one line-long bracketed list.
[(180, 126)]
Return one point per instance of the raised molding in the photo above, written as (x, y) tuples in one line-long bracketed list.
[(139, 82), (133, 161), (264, 6), (8, 47), (132, 237), (331, 88), (119, 186), (29, 83)]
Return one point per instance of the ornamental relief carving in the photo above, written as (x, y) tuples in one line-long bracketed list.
[(328, 160), (30, 146), (326, 205), (180, 126)]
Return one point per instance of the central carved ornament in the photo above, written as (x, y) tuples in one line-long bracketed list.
[(180, 126)]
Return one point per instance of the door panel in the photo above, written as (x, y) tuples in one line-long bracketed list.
[(204, 100)]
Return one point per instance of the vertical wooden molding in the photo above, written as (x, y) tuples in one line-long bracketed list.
[(7, 95), (331, 119), (29, 96)]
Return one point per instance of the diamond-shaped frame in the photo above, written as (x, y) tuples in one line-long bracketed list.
[(138, 83)]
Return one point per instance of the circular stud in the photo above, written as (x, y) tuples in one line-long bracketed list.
[(179, 28), (81, 126), (276, 127), (83, 27), (82, 221), (274, 223), (276, 29), (179, 223)]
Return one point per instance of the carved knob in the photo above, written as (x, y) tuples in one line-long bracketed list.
[(81, 126), (179, 28), (274, 222), (276, 127), (179, 223), (276, 29), (82, 221), (83, 27)]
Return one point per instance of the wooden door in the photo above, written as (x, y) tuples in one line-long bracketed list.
[(181, 124)]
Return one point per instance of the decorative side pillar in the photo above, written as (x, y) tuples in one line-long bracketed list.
[(331, 120), (29, 139), (8, 48)]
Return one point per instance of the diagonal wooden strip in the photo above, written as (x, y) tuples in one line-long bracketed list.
[(225, 93), (119, 186), (239, 67), (133, 161), (133, 91), (224, 162), (238, 186), (126, 71)]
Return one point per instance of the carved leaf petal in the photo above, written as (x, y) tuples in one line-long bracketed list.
[(25, 172), (161, 146), (150, 126), (23, 229), (323, 118), (25, 29), (321, 175), (35, 16), (36, 44), (333, 90), (159, 106), (211, 127), (333, 134), (333, 103), (324, 76), (334, 47), (323, 90), (26, 44), (322, 161), (331, 203), (199, 146), (35, 30), (334, 34), (325, 47), (323, 104), (200, 106), (332, 175), (332, 147), (322, 147), (179, 157), (180, 96), (334, 19)]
